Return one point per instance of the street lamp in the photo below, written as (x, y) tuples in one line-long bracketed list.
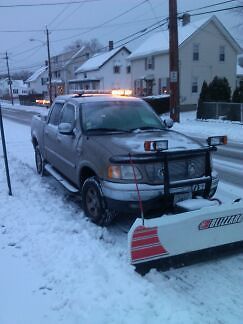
[(47, 43)]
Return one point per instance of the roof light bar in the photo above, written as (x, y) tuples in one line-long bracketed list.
[(121, 92)]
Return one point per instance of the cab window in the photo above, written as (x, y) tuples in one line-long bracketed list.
[(55, 113), (68, 114)]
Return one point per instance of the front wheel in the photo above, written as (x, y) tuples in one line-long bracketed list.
[(39, 161), (94, 203)]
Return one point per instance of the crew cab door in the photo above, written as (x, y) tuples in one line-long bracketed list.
[(68, 145), (50, 133)]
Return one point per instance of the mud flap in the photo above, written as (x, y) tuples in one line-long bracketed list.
[(178, 234)]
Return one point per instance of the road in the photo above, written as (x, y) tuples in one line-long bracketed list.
[(227, 160)]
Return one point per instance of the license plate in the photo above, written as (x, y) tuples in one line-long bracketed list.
[(182, 196), (198, 187)]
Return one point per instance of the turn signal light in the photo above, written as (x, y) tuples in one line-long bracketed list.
[(217, 140), (156, 145)]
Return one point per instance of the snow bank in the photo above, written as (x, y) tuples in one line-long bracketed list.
[(200, 128)]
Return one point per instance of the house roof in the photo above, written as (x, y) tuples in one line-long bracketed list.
[(36, 74), (159, 42), (98, 60)]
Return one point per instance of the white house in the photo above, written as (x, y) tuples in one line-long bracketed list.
[(63, 67), (104, 71), (37, 82), (18, 88), (206, 49)]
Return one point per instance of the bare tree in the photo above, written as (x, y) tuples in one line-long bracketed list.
[(21, 75), (93, 46)]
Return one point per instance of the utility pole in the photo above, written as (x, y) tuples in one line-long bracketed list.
[(9, 79), (49, 65), (174, 62), (5, 153)]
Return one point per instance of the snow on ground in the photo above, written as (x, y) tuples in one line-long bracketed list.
[(204, 128), (57, 267)]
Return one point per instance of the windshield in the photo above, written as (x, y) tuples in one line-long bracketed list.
[(119, 116)]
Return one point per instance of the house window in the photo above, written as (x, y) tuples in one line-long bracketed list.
[(128, 69), (163, 85), (149, 63), (195, 55), (194, 85), (116, 69), (44, 81), (15, 91), (221, 53)]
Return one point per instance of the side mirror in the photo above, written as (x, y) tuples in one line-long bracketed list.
[(65, 128), (168, 122)]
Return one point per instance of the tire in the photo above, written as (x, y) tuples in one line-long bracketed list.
[(39, 161), (94, 203)]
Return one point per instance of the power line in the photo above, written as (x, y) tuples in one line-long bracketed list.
[(137, 35), (105, 22), (59, 14), (209, 6), (47, 4), (71, 28), (217, 10)]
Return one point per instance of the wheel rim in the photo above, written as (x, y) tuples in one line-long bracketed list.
[(38, 160), (93, 203)]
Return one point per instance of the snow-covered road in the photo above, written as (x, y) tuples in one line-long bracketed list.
[(57, 267)]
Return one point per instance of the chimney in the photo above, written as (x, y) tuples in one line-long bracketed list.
[(111, 45), (186, 19)]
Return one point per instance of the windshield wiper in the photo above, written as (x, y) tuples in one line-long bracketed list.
[(104, 129), (152, 128)]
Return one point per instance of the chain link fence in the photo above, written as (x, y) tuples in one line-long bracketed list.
[(220, 110)]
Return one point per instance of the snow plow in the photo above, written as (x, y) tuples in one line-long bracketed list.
[(194, 226), (209, 226)]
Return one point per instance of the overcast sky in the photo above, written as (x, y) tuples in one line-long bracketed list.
[(84, 16)]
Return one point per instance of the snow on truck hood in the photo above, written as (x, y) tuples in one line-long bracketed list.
[(134, 142)]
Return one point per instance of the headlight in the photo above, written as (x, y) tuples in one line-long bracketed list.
[(124, 172)]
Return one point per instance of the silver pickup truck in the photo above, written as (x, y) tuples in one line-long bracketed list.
[(100, 146)]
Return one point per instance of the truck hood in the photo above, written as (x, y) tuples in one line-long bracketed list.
[(134, 142)]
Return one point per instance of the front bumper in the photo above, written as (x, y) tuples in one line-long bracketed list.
[(125, 196)]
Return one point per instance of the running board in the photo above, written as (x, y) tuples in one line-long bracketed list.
[(60, 178)]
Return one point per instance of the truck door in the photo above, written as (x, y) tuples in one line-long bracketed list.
[(66, 146), (50, 133)]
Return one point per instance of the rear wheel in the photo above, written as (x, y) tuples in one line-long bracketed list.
[(94, 203), (39, 161)]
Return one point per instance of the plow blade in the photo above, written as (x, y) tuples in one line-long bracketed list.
[(178, 234)]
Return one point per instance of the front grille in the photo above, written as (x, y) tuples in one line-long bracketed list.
[(187, 168), (179, 169)]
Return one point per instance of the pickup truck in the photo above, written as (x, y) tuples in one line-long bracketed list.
[(117, 154)]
